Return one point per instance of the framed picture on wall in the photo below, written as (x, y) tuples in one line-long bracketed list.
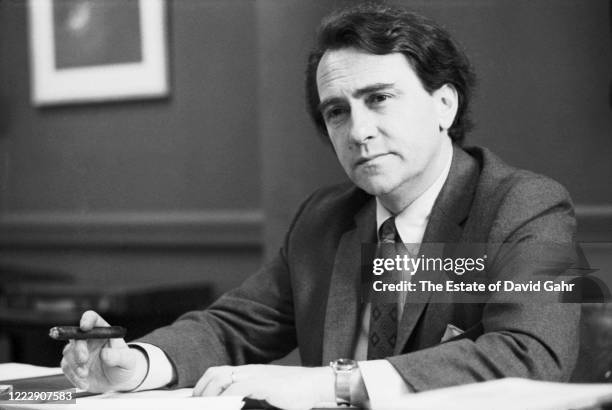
[(91, 50)]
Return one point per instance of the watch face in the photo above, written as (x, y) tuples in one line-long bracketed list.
[(345, 364)]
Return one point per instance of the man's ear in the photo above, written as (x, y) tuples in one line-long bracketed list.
[(447, 103)]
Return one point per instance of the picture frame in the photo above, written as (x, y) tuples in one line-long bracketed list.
[(92, 51)]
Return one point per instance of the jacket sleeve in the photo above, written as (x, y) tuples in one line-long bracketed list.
[(253, 323), (521, 337)]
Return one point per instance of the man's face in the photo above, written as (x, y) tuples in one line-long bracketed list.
[(382, 123)]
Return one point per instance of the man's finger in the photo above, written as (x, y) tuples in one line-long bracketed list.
[(69, 358), (204, 380), (201, 385), (74, 367), (119, 357), (215, 387), (244, 389), (81, 351), (69, 345), (91, 319), (214, 381), (71, 375), (82, 371), (117, 343)]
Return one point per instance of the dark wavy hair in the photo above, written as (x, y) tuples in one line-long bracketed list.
[(382, 29)]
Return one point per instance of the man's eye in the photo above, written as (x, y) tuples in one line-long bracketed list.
[(378, 98), (334, 113)]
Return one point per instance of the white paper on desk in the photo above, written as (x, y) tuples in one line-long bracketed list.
[(507, 394), (149, 400), (9, 371)]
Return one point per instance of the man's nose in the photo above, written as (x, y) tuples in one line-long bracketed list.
[(362, 126)]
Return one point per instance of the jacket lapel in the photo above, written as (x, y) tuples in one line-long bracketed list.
[(344, 300), (450, 210)]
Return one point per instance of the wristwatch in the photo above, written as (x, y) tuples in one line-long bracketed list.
[(343, 369)]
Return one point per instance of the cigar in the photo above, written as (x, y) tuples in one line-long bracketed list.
[(75, 333)]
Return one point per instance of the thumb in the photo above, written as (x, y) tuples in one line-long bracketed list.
[(123, 357)]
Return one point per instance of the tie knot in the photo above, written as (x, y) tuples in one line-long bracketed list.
[(388, 232)]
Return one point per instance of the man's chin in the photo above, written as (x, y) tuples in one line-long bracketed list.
[(376, 189)]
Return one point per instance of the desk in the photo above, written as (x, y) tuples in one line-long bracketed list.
[(503, 394)]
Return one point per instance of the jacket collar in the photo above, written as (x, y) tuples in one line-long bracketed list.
[(445, 226)]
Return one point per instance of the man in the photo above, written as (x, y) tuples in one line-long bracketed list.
[(390, 91)]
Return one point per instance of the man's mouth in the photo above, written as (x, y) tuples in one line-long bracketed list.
[(369, 158)]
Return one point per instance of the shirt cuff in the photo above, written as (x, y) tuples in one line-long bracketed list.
[(160, 372), (383, 383)]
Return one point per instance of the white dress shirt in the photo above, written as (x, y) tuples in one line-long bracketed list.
[(382, 381)]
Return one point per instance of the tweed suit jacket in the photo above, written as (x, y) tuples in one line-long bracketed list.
[(308, 296)]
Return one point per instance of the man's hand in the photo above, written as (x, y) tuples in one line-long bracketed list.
[(100, 365), (287, 387)]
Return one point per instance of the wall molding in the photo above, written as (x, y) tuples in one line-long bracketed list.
[(594, 222), (210, 228)]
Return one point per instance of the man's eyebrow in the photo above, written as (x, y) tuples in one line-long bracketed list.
[(327, 102), (372, 89), (356, 94)]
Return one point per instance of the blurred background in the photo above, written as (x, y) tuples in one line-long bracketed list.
[(145, 207)]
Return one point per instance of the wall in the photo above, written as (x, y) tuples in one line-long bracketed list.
[(193, 150), (181, 170)]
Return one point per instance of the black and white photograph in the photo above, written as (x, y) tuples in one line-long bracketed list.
[(88, 50), (305, 204)]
